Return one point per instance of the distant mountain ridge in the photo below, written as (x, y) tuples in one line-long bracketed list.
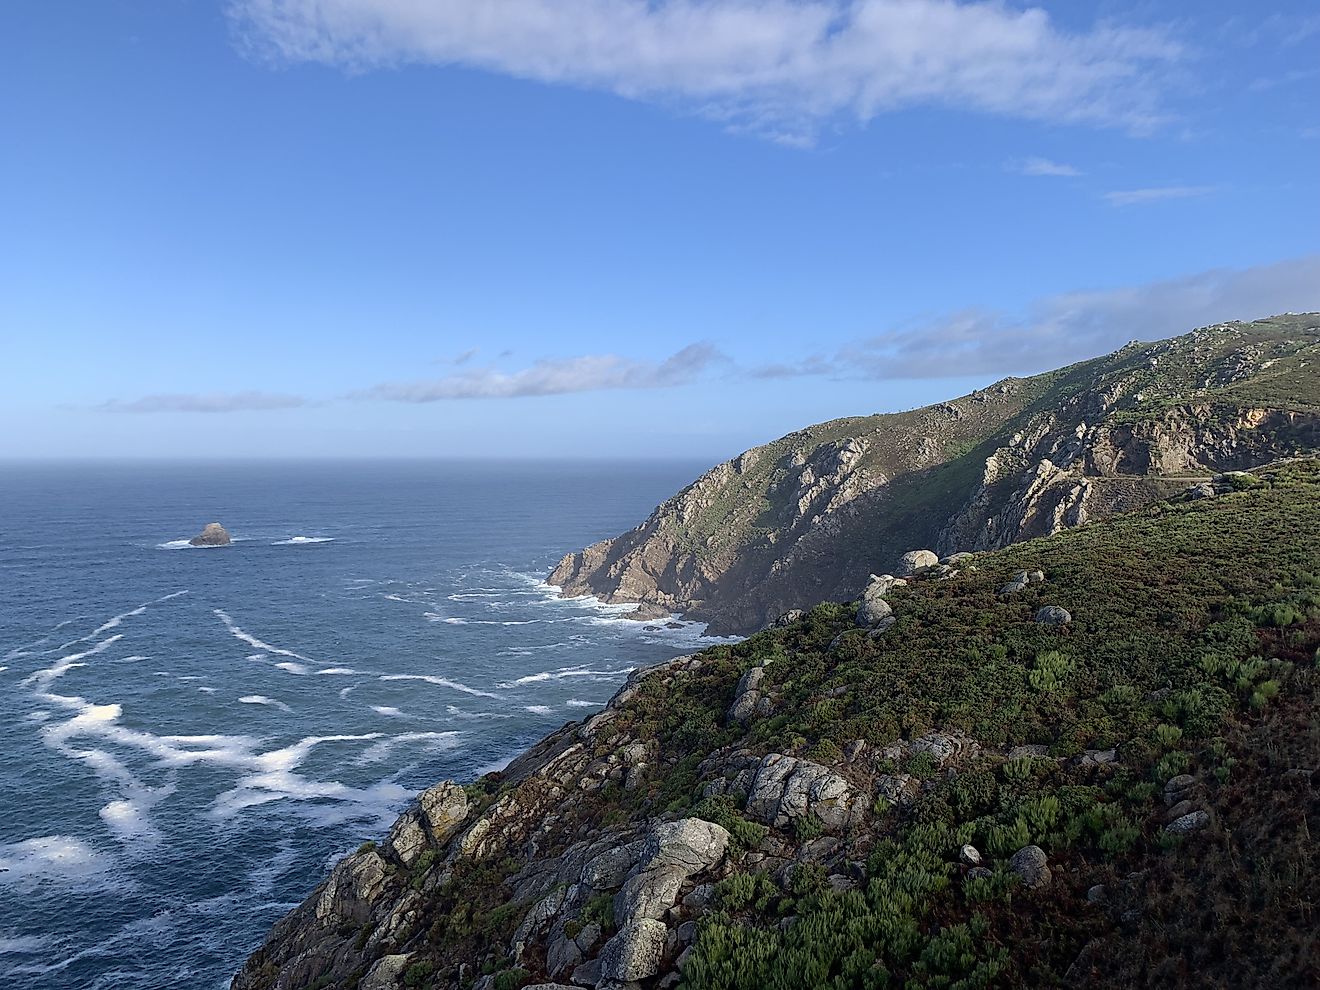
[(808, 517)]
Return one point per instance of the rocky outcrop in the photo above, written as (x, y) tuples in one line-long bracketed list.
[(213, 535), (806, 518)]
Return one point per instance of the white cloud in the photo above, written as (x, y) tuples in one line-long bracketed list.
[(1155, 194), (1043, 166), (588, 373), (212, 402), (1071, 326), (775, 67)]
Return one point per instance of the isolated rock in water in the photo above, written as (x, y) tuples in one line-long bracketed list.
[(1053, 615), (214, 535), (915, 561)]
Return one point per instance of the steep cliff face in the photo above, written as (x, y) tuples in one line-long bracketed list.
[(807, 517), (1076, 761)]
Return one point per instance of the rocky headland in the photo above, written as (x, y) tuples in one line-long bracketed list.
[(806, 518)]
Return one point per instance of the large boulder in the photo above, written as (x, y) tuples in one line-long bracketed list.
[(916, 561), (386, 974), (1053, 615), (785, 788), (1193, 821), (873, 608), (635, 952), (872, 611), (432, 822), (1032, 866), (354, 885), (213, 535), (689, 844), (671, 853)]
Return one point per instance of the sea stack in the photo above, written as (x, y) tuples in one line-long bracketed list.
[(214, 535)]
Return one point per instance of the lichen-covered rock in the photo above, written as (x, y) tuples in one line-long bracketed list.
[(439, 812), (873, 610), (785, 788), (1193, 821), (1053, 615), (1032, 866), (635, 952), (689, 844), (609, 869), (386, 973), (355, 882), (916, 561), (648, 894)]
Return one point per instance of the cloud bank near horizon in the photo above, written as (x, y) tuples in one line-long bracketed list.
[(1054, 331), (778, 68), (1060, 329), (206, 402), (558, 376)]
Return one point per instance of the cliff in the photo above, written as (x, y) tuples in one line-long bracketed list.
[(808, 517), (1088, 759)]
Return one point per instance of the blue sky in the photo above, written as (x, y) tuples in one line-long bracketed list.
[(607, 227)]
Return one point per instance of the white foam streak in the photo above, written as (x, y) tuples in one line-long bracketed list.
[(561, 673), (439, 682), (246, 637), (436, 741)]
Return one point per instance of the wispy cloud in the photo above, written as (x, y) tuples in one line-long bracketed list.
[(775, 67), (1155, 194), (588, 373), (1068, 327), (210, 402), (1043, 166)]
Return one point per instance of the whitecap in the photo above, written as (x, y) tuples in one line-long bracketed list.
[(261, 699), (439, 682), (293, 668), (386, 710), (298, 541), (578, 703), (538, 709), (337, 670)]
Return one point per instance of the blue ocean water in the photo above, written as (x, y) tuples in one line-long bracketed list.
[(191, 736)]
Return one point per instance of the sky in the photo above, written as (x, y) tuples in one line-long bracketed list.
[(609, 228)]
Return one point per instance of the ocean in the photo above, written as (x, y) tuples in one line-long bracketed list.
[(192, 736)]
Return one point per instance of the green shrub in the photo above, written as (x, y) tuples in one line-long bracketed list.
[(922, 765), (743, 832), (418, 973)]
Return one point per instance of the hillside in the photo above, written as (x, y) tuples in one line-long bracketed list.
[(1106, 773), (808, 517)]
